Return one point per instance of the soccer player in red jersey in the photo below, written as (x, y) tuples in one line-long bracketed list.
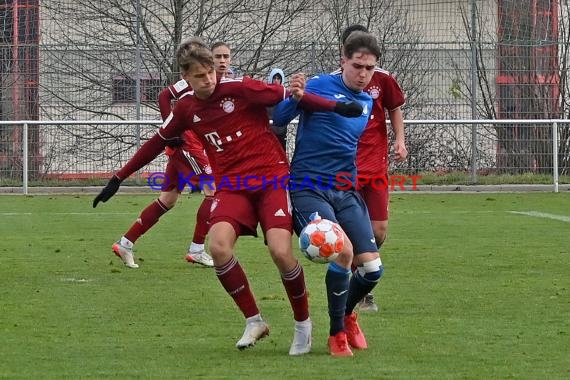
[(186, 160), (250, 171), (372, 155)]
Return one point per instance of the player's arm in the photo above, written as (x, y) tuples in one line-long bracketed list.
[(285, 111), (308, 101), (269, 95), (165, 102), (171, 129), (397, 120), (394, 99)]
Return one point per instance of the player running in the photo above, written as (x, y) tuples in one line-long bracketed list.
[(188, 160)]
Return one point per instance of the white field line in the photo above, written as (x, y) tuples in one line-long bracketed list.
[(537, 214)]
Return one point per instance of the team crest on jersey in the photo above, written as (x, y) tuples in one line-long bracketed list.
[(228, 105), (374, 92)]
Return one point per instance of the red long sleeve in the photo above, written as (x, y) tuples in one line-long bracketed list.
[(315, 103), (164, 103), (147, 152)]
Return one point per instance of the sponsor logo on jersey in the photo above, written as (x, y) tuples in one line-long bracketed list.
[(196, 119), (339, 96)]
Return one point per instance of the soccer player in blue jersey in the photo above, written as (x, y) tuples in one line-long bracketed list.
[(323, 180)]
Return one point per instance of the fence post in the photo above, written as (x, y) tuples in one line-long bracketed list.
[(25, 159), (555, 155), (138, 65), (473, 91)]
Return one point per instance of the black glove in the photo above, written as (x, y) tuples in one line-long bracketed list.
[(108, 191), (176, 142), (348, 109)]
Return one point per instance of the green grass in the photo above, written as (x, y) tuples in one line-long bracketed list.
[(471, 291)]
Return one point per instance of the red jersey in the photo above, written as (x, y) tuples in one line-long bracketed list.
[(233, 126), (372, 154), (174, 91)]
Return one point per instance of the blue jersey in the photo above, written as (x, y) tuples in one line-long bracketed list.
[(326, 142)]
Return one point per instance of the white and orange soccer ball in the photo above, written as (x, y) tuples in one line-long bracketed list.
[(321, 240)]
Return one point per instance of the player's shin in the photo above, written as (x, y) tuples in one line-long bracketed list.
[(294, 283), (365, 278), (337, 283)]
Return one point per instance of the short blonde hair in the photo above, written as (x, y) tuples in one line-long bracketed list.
[(194, 51)]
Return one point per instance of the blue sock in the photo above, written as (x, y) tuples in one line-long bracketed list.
[(359, 287), (337, 280)]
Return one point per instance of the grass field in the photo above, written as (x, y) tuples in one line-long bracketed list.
[(471, 291)]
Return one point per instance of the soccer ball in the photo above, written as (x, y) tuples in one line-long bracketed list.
[(321, 240)]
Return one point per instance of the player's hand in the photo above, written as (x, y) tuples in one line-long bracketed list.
[(174, 143), (348, 109), (400, 151), (297, 86), (108, 191)]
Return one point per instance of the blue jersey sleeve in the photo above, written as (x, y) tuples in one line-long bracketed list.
[(285, 111)]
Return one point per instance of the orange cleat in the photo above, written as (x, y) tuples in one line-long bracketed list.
[(338, 345), (354, 335)]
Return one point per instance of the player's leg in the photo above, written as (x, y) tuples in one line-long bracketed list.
[(197, 250), (123, 248), (377, 202), (187, 171), (228, 209), (276, 222), (305, 202), (353, 217)]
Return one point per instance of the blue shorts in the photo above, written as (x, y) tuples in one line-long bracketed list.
[(345, 207)]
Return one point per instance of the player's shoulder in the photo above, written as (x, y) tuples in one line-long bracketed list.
[(382, 75), (186, 96), (226, 80), (324, 78), (179, 88)]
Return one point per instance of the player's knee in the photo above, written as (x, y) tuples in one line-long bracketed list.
[(371, 270)]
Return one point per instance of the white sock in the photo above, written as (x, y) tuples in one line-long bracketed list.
[(126, 242), (255, 318), (196, 247)]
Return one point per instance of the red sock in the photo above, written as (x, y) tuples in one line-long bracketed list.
[(294, 283), (233, 279), (202, 221), (148, 218)]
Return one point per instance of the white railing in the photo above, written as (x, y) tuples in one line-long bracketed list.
[(462, 130)]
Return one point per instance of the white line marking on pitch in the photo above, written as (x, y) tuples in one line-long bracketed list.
[(546, 215)]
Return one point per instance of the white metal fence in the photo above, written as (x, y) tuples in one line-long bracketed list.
[(40, 153)]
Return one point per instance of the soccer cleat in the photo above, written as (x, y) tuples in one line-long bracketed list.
[(126, 254), (338, 345), (302, 339), (200, 257), (367, 304), (254, 331), (354, 335)]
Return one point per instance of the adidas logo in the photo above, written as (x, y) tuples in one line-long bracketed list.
[(196, 119), (279, 212)]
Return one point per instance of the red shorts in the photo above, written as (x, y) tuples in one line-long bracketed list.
[(181, 165), (244, 209), (377, 201)]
